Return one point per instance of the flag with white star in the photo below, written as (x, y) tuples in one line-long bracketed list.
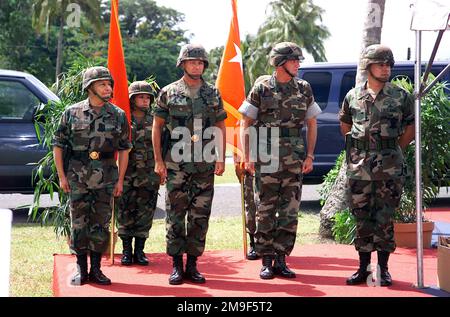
[(230, 79)]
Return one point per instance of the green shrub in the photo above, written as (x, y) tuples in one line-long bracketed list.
[(344, 227), (329, 179), (435, 132)]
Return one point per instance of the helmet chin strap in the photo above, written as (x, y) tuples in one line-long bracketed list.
[(288, 72), (104, 99)]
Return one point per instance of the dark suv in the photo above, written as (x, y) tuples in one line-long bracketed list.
[(330, 83), (20, 95)]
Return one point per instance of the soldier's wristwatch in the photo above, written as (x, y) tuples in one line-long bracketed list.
[(310, 156)]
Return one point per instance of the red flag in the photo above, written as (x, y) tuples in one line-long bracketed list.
[(230, 80), (116, 62)]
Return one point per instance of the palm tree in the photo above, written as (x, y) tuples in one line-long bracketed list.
[(47, 11), (371, 31), (337, 199), (296, 21)]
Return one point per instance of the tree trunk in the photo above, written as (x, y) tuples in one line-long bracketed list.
[(338, 200), (59, 50), (371, 32)]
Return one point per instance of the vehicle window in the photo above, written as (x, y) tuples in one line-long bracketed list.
[(410, 73), (16, 101), (320, 83), (347, 83)]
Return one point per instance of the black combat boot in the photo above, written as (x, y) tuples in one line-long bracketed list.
[(96, 275), (251, 255), (266, 270), (192, 273), (176, 277), (385, 277), (139, 255), (82, 276), (127, 254), (280, 267), (360, 277)]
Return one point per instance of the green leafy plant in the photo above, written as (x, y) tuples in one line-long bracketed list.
[(435, 118), (330, 179), (344, 227)]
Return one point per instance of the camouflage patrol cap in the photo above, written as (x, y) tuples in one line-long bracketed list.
[(377, 54), (284, 51), (96, 73), (192, 52), (140, 87)]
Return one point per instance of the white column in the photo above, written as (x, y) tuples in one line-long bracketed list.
[(5, 250)]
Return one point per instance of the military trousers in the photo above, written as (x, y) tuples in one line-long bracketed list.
[(90, 216), (249, 203), (188, 197), (373, 204), (278, 195), (136, 211)]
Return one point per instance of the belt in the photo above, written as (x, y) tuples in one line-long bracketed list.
[(382, 144), (286, 132), (93, 155)]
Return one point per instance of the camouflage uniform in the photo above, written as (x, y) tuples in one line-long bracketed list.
[(190, 185), (249, 203), (141, 183), (281, 106), (81, 131), (376, 166)]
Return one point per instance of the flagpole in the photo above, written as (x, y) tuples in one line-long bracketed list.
[(111, 238), (244, 226)]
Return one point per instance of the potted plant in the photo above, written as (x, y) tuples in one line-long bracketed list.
[(405, 217), (435, 115)]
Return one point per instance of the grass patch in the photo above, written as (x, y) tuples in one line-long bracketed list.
[(33, 246), (32, 250)]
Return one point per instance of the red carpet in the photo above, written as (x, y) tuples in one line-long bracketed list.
[(321, 271), (438, 214)]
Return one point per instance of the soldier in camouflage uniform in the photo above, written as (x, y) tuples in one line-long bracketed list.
[(283, 103), (249, 205), (141, 184), (377, 119), (190, 106), (89, 135)]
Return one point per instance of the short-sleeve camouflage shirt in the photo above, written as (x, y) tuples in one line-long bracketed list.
[(179, 109), (82, 129), (386, 117), (141, 164), (283, 105)]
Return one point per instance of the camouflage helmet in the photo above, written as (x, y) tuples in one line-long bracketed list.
[(140, 87), (96, 73), (284, 51), (377, 54), (192, 52)]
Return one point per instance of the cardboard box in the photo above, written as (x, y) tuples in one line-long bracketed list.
[(443, 263)]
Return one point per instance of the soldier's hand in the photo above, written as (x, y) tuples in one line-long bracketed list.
[(307, 165), (250, 167), (118, 189), (161, 170), (220, 168), (64, 185)]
